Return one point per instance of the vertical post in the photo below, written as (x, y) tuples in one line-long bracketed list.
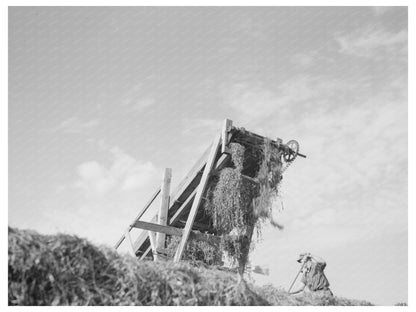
[(198, 197), (164, 206), (226, 127), (152, 239)]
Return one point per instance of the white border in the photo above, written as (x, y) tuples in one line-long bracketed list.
[(411, 114)]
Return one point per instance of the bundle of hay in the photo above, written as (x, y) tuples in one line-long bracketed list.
[(238, 205)]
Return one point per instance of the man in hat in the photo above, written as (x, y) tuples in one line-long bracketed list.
[(313, 278)]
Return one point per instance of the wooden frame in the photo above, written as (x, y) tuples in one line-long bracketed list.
[(198, 197), (184, 202)]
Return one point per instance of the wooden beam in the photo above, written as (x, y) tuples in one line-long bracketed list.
[(222, 162), (129, 242), (145, 253), (198, 197), (226, 127), (164, 206), (190, 176), (143, 236), (179, 213), (141, 213), (170, 230), (152, 238)]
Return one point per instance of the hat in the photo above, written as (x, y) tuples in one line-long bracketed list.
[(301, 256)]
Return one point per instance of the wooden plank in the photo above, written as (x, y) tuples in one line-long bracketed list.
[(164, 206), (145, 253), (179, 213), (152, 238), (198, 197), (170, 230), (222, 162), (199, 165), (141, 213), (143, 236), (129, 242), (226, 127)]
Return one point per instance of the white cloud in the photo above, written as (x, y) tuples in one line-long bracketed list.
[(200, 125), (372, 42), (125, 173), (292, 99), (136, 99), (75, 125)]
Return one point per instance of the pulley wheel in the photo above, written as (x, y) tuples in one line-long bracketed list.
[(293, 148)]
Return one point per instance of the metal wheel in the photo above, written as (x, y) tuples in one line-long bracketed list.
[(293, 148)]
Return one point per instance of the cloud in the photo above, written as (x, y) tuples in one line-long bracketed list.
[(125, 173), (136, 100), (75, 125), (374, 43), (200, 125), (290, 100), (142, 103)]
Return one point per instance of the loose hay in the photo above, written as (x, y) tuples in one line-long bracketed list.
[(67, 270), (238, 205)]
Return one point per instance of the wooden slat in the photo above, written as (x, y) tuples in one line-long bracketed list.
[(164, 206), (222, 162), (152, 238), (170, 230), (224, 135), (141, 213), (198, 197), (129, 242), (143, 236), (182, 208), (145, 253), (199, 165)]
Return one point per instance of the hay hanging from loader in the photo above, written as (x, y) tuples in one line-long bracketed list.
[(238, 205)]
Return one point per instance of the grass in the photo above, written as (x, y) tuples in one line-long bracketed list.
[(68, 270)]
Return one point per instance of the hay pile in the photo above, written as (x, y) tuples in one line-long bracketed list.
[(280, 297), (195, 251), (67, 270)]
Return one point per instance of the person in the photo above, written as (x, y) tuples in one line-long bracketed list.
[(313, 277)]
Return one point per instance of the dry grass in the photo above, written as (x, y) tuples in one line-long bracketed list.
[(281, 297), (67, 270)]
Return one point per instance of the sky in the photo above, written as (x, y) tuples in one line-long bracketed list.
[(102, 99)]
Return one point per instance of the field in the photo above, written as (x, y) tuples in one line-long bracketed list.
[(68, 270)]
